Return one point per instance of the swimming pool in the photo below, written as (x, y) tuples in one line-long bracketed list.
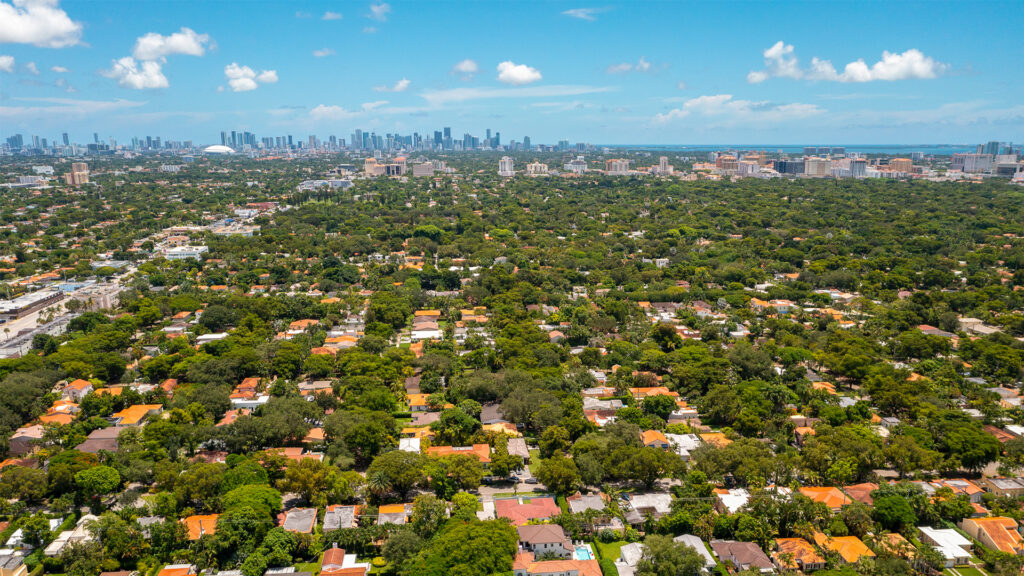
[(583, 553)]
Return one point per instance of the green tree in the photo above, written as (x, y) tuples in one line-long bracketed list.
[(664, 557)]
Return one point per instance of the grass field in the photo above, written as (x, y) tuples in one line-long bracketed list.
[(609, 550)]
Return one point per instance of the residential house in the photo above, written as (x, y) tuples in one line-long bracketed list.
[(654, 439), (76, 390), (336, 562), (861, 492), (796, 554), (545, 539), (135, 415), (997, 532), (684, 444), (12, 563), (298, 520), (106, 439), (850, 548), (482, 452), (526, 564), (520, 511), (698, 545), (828, 495), (339, 516), (79, 534), (742, 555), (640, 506), (394, 514), (24, 439), (954, 548)]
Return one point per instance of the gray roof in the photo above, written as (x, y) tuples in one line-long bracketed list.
[(340, 517), (742, 554), (698, 545), (491, 414), (517, 447), (534, 534), (584, 503), (300, 520)]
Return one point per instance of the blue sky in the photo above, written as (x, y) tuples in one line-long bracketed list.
[(615, 72)]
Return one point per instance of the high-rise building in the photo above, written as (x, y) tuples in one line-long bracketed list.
[(992, 148), (223, 138), (817, 167), (616, 167), (901, 165), (971, 163), (858, 168), (67, 142), (526, 143), (497, 140), (505, 167), (78, 175), (95, 137)]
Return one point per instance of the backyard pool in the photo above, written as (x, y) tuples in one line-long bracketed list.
[(583, 553)]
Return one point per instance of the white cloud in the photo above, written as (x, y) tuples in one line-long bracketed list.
[(303, 15), (466, 68), (6, 63), (59, 69), (781, 62), (63, 107), (681, 85), (137, 75), (333, 112), (244, 78), (323, 52), (32, 68), (517, 74), (621, 68), (154, 46), (369, 30), (723, 105), (442, 97), (588, 14), (379, 12), (63, 84), (38, 22), (399, 86), (328, 15)]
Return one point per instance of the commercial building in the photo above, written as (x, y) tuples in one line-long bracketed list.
[(185, 252), (816, 167), (28, 303), (971, 163)]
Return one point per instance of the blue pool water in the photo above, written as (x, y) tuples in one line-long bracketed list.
[(583, 553)]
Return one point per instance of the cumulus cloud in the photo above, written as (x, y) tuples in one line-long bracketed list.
[(641, 65), (466, 68), (333, 112), (6, 63), (244, 78), (154, 46), (137, 75), (323, 52), (379, 12), (38, 22), (59, 69), (588, 14), (781, 62), (32, 68), (517, 74), (328, 15), (723, 105), (399, 86)]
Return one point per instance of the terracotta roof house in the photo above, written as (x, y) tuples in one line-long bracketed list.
[(521, 513), (134, 415), (998, 533), (828, 495), (654, 439), (796, 554), (526, 564), (850, 548), (481, 452), (394, 514), (861, 492)]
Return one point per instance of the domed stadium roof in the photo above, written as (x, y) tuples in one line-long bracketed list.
[(218, 149)]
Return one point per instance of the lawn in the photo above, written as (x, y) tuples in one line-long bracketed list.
[(964, 571), (562, 503), (313, 567), (534, 461), (609, 550)]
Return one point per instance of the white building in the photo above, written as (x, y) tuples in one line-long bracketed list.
[(505, 167), (536, 169), (185, 252), (577, 166), (951, 544), (817, 167)]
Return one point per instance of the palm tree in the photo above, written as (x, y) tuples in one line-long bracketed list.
[(379, 484)]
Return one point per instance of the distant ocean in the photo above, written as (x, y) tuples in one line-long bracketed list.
[(939, 149)]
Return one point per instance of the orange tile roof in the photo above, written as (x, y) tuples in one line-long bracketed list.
[(481, 451), (828, 495), (61, 419), (135, 414), (801, 551), (1002, 531), (716, 438), (79, 384), (850, 548), (649, 437), (201, 525)]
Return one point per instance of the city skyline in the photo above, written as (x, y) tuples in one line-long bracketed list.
[(605, 74)]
